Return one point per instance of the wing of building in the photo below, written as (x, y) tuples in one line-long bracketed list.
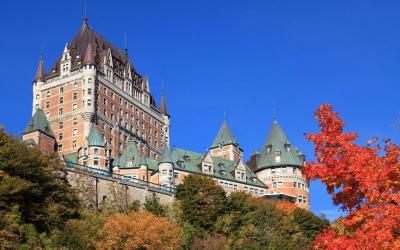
[(97, 112)]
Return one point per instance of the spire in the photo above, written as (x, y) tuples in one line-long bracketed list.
[(89, 55), (95, 139), (39, 123), (163, 104), (224, 136), (166, 155), (85, 21), (40, 75)]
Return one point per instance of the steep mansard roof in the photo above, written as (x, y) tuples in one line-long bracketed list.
[(95, 138), (278, 142), (39, 123), (224, 136)]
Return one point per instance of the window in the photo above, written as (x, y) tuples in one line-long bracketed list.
[(74, 107), (37, 106), (61, 101), (105, 112), (112, 105), (75, 121), (284, 170), (75, 85), (112, 117), (89, 102), (294, 184), (89, 91), (37, 97), (96, 151), (61, 90), (60, 125), (60, 136), (105, 91), (48, 93), (96, 162), (164, 172), (74, 132), (105, 101), (90, 80), (47, 104), (112, 95), (273, 171), (60, 111), (75, 96), (277, 156), (280, 184), (274, 185), (59, 147), (74, 144)]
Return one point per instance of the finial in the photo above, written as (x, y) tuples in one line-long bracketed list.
[(274, 114), (41, 51), (162, 87), (224, 116), (85, 16)]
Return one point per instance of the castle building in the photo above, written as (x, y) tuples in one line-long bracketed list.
[(94, 84), (97, 112)]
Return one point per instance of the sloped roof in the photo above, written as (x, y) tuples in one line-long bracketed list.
[(129, 158), (95, 139), (224, 136), (166, 155), (278, 142), (192, 162), (39, 123), (40, 75)]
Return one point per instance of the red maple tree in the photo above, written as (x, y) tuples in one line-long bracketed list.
[(363, 180)]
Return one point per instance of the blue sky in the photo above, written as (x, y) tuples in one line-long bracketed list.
[(245, 58)]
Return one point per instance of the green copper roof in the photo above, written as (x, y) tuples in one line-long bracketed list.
[(277, 143), (116, 162), (223, 169), (224, 136), (73, 157), (142, 160), (166, 156), (95, 138), (130, 157), (39, 123)]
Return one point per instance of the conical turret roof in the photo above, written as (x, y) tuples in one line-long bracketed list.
[(129, 157), (275, 144), (95, 139), (39, 123), (40, 75), (224, 136), (166, 156), (163, 104)]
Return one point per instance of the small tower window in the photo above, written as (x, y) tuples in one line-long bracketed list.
[(75, 121), (60, 111), (278, 156), (74, 144), (60, 136), (61, 90), (75, 96), (96, 151), (61, 125), (74, 132), (61, 101), (74, 107), (47, 104), (48, 93)]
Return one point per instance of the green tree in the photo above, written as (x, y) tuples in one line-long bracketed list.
[(310, 224), (202, 201), (34, 187), (155, 207), (83, 233)]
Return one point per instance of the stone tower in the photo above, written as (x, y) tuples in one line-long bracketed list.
[(279, 167)]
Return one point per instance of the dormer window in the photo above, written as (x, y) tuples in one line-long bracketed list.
[(220, 145), (278, 156), (268, 149), (186, 157), (287, 147), (129, 161)]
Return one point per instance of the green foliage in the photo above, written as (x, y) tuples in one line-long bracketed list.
[(81, 233), (35, 197), (308, 223), (202, 201), (154, 206)]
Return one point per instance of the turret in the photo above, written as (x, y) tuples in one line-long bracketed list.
[(166, 168), (94, 153), (166, 117), (38, 133), (40, 79), (89, 88), (279, 167), (225, 145)]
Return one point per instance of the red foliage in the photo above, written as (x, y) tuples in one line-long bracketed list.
[(363, 180)]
